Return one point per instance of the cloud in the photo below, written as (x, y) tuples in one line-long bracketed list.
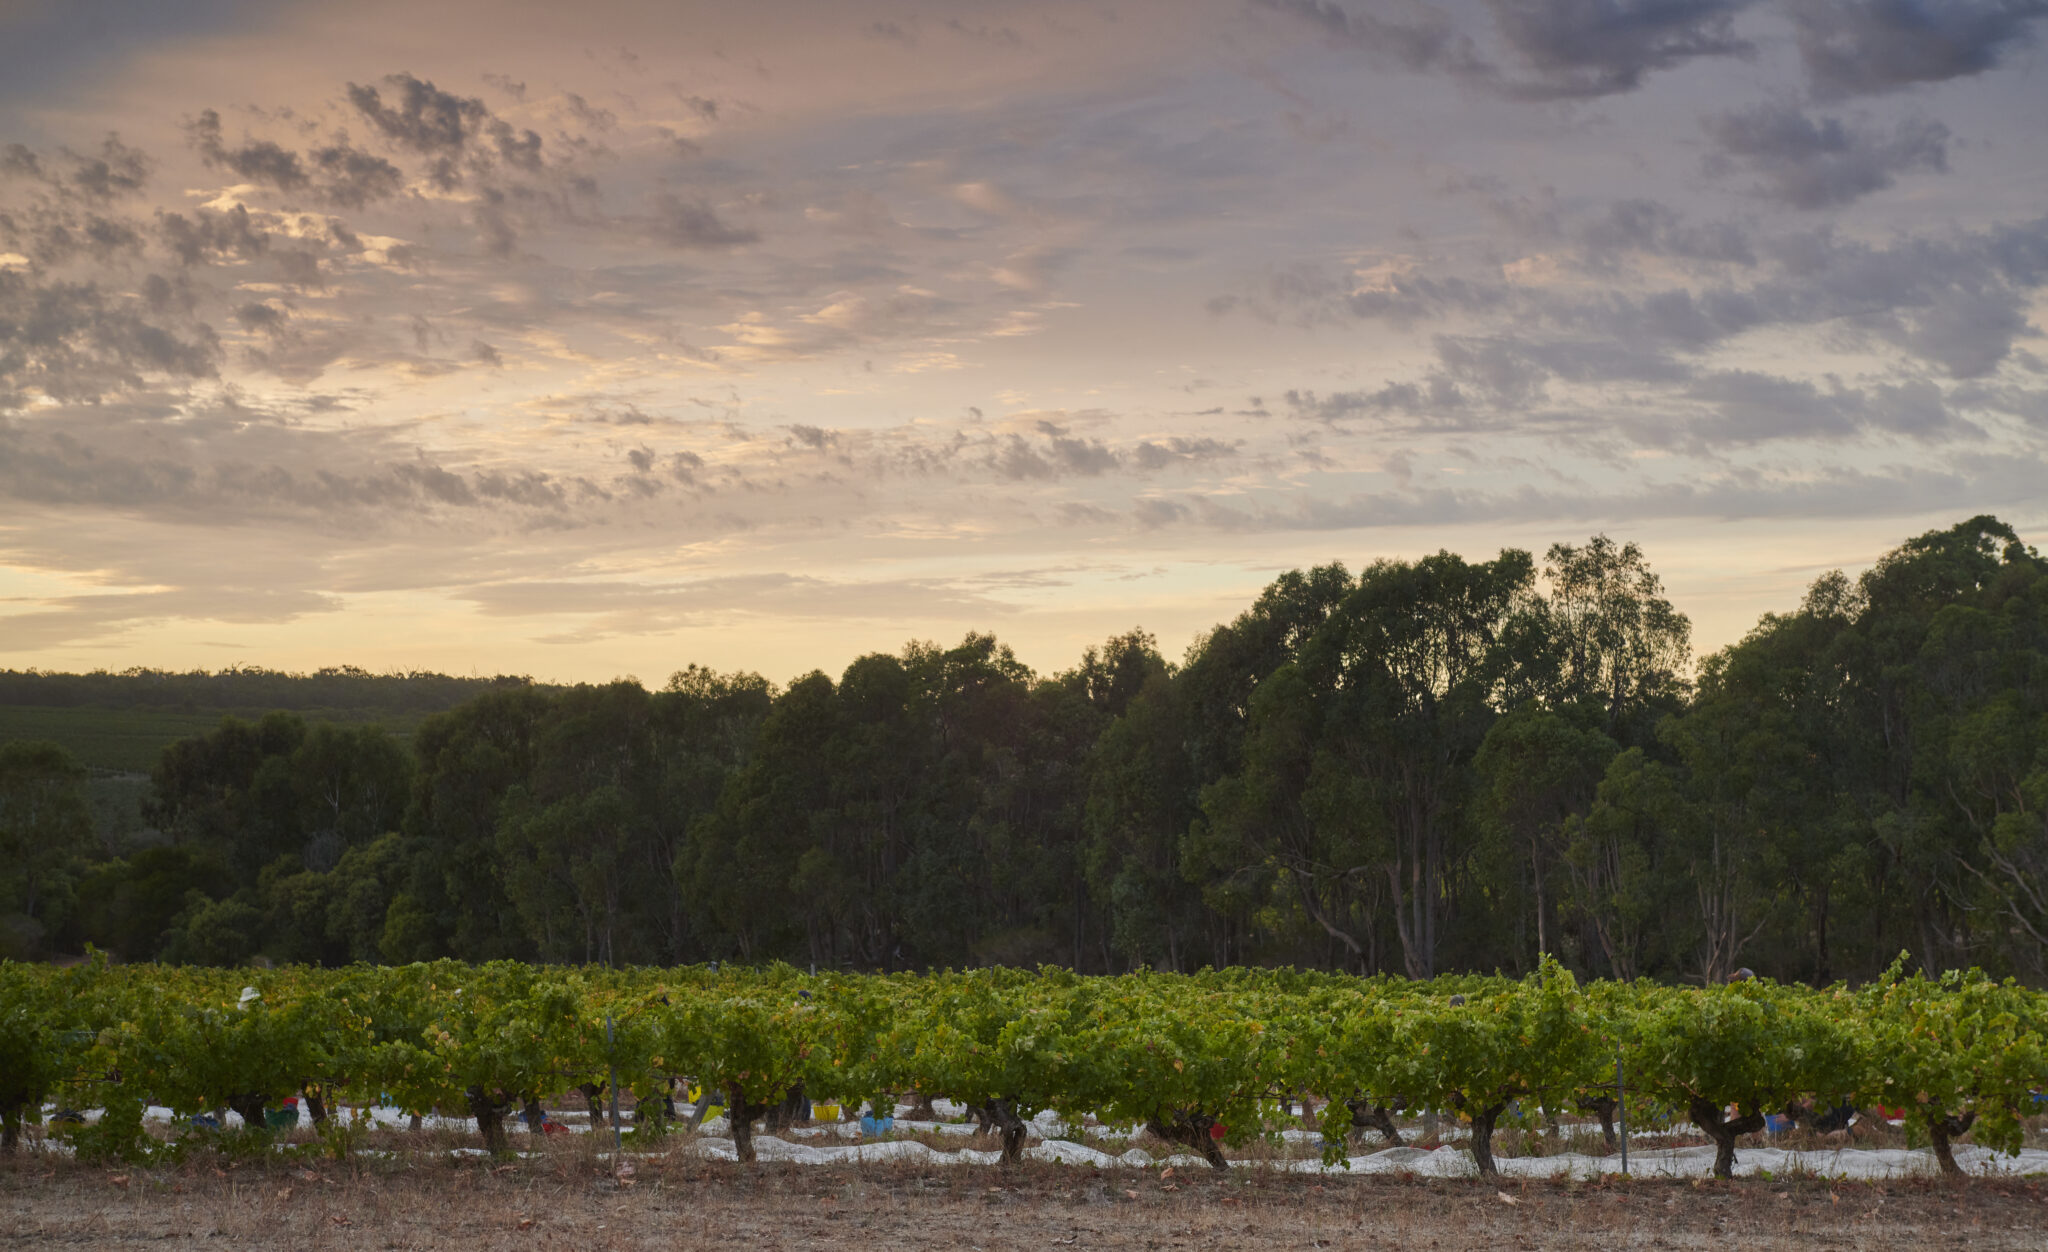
[(1647, 227), (256, 160), (693, 225), (1748, 407), (1552, 49), (1958, 302), (225, 463), (80, 342), (1866, 47), (1578, 49), (422, 117), (1412, 36), (631, 608), (116, 170), (1819, 163), (81, 618), (355, 178)]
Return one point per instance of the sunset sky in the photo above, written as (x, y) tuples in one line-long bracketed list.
[(592, 339)]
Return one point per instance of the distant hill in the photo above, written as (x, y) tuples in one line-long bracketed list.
[(343, 687), (117, 724)]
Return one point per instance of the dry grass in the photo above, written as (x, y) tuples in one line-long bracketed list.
[(566, 1197)]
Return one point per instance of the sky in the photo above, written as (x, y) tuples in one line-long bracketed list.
[(600, 339)]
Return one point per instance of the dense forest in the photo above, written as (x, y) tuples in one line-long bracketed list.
[(1423, 767)]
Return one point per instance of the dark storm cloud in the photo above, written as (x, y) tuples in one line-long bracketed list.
[(1864, 47), (1818, 163), (1554, 49)]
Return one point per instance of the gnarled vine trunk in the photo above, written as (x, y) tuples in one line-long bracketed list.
[(783, 1112), (250, 1109), (1603, 1107), (1482, 1138), (1192, 1129), (489, 1112), (742, 1114), (316, 1103), (1001, 1116), (1368, 1116), (593, 1096), (1708, 1117), (1944, 1129)]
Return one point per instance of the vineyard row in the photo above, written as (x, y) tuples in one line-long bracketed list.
[(1201, 1060)]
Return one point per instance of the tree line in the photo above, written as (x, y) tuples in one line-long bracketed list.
[(1423, 767)]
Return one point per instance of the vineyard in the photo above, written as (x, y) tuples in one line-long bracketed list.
[(1204, 1061)]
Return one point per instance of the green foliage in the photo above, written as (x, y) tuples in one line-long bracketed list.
[(1203, 1060), (1429, 765)]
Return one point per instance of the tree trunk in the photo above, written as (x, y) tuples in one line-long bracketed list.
[(1604, 1106), (10, 1127), (593, 1096), (742, 1114), (1192, 1129), (784, 1111), (250, 1108), (1482, 1138), (534, 1116), (414, 1124), (922, 1111), (651, 1114), (1942, 1130), (490, 1120), (1366, 1117), (316, 1104), (1013, 1128), (1708, 1117)]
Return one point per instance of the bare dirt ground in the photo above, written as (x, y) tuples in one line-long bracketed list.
[(567, 1198)]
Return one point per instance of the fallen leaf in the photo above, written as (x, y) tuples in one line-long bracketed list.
[(1505, 1198), (526, 1223), (1130, 1194), (1168, 1174), (339, 1219), (119, 1180), (285, 1194)]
